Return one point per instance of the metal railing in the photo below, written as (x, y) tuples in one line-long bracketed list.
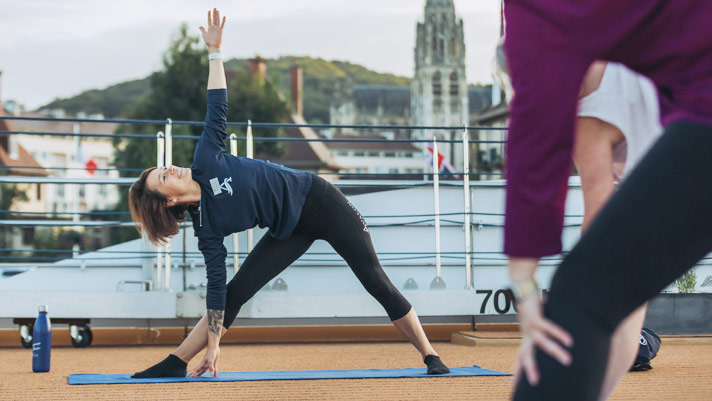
[(164, 142)]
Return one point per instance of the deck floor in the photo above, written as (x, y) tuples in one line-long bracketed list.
[(682, 371)]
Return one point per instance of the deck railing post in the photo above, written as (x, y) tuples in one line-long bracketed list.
[(437, 282), (168, 163), (466, 192), (160, 162), (235, 248), (77, 162), (250, 155)]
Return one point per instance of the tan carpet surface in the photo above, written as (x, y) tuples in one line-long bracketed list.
[(682, 372)]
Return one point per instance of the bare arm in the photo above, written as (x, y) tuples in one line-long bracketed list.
[(215, 325), (213, 39), (593, 156), (593, 77)]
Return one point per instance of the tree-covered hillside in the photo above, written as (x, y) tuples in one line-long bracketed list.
[(113, 101), (320, 77)]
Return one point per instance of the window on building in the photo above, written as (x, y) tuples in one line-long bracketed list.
[(58, 160), (493, 155), (442, 27), (60, 191), (14, 151), (454, 106), (82, 191), (434, 34), (437, 84), (39, 191), (390, 154), (359, 153), (454, 84), (102, 163), (28, 235)]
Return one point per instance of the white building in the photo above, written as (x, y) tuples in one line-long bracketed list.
[(59, 154), (387, 157)]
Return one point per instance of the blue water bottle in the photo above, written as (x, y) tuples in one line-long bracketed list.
[(41, 341)]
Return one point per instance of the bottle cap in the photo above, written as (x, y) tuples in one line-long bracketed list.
[(43, 308)]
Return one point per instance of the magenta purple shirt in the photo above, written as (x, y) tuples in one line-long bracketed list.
[(549, 46)]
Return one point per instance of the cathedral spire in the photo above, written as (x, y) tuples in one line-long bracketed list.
[(439, 92)]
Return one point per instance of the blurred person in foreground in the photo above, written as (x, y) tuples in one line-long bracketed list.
[(652, 230)]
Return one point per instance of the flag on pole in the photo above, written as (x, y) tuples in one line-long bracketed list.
[(444, 167), (88, 163)]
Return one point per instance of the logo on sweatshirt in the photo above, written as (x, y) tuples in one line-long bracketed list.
[(217, 187)]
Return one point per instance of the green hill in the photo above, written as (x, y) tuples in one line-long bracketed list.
[(320, 77), (113, 101)]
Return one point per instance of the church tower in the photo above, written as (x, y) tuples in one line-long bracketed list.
[(439, 93)]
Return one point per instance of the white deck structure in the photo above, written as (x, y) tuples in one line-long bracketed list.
[(121, 289)]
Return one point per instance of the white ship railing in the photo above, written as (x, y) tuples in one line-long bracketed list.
[(164, 144)]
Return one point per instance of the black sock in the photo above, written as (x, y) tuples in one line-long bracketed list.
[(172, 366), (435, 365)]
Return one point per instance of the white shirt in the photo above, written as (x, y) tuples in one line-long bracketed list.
[(628, 101)]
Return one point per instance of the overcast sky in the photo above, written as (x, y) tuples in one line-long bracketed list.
[(59, 48)]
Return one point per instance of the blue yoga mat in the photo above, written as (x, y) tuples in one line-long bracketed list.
[(86, 378)]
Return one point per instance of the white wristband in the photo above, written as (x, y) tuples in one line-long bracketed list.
[(213, 56), (524, 288)]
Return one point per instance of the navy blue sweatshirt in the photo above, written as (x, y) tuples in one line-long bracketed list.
[(237, 194)]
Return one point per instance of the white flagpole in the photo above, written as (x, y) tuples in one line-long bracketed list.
[(436, 194)]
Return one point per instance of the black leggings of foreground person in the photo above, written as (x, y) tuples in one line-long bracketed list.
[(590, 293)]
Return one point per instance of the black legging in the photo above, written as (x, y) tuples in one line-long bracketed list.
[(656, 227), (326, 215)]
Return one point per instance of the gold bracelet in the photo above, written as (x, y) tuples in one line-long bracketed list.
[(524, 288)]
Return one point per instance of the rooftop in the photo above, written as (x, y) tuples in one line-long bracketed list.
[(682, 370)]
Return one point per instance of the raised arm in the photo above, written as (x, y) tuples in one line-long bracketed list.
[(211, 145), (213, 39)]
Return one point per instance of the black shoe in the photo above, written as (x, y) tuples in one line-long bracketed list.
[(641, 367), (172, 366), (435, 365)]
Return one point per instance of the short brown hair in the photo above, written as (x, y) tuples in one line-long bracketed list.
[(150, 212)]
